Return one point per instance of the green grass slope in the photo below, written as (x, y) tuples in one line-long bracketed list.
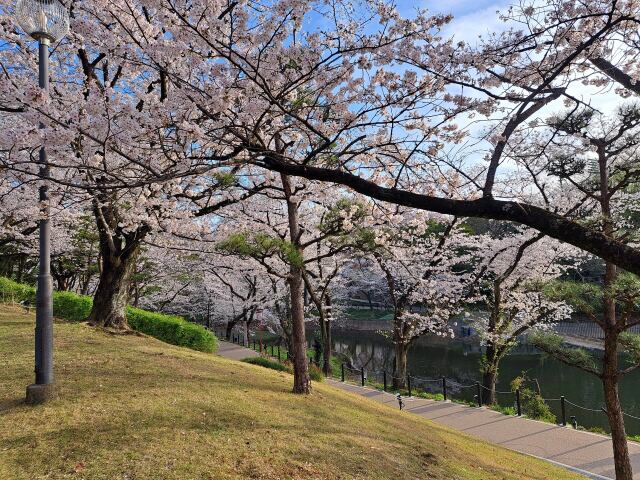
[(132, 407)]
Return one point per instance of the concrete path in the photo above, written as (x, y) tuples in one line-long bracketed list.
[(235, 352), (587, 453)]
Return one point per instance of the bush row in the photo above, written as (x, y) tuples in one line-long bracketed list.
[(76, 308)]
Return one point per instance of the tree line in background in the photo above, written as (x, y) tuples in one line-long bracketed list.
[(228, 158)]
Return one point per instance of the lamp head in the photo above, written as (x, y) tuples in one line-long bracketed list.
[(44, 20)]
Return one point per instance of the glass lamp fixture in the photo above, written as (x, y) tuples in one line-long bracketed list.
[(44, 20)]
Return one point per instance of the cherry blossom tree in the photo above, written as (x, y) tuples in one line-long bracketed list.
[(422, 259), (509, 282)]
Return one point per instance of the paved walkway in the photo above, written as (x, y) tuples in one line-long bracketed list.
[(587, 453)]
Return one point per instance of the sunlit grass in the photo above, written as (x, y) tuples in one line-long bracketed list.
[(132, 407)]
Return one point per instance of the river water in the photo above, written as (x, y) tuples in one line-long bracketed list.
[(458, 360)]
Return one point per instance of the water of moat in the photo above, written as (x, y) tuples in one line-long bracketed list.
[(458, 360)]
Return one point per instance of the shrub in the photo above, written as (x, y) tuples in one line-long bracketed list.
[(71, 306), (315, 373), (431, 396), (172, 329), (268, 363), (76, 308), (533, 405), (12, 292)]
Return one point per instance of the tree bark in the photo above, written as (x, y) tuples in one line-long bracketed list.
[(228, 330), (326, 365), (490, 375), (301, 380), (614, 410), (119, 250), (400, 366), (610, 381), (112, 294)]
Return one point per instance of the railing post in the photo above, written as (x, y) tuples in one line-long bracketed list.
[(518, 406), (409, 383), (384, 380), (342, 372), (564, 411), (444, 388), (479, 394), (362, 375)]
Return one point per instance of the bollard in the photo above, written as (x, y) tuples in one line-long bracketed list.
[(479, 394), (564, 411), (384, 380), (362, 375), (444, 388), (518, 406), (574, 422), (409, 383), (342, 372)]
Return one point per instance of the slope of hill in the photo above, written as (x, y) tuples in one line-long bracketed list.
[(132, 407)]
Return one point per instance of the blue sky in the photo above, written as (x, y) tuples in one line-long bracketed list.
[(472, 17)]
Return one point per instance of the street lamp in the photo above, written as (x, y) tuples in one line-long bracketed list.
[(47, 21)]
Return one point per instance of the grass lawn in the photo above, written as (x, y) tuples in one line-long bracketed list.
[(132, 407)]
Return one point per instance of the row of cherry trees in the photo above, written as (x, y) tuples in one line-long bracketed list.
[(164, 120)]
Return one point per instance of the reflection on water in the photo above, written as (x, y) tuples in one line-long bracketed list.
[(432, 358)]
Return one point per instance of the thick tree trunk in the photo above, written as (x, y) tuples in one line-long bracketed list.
[(400, 366), (119, 251), (112, 294), (490, 375)]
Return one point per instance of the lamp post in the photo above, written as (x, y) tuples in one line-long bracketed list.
[(46, 21)]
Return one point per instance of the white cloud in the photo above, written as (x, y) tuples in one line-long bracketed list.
[(484, 21)]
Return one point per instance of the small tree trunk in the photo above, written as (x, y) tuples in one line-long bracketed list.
[(228, 330), (490, 375), (301, 381), (400, 366), (112, 294), (326, 364)]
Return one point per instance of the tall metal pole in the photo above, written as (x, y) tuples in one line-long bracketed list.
[(42, 390)]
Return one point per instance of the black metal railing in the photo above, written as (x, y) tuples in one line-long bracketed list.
[(415, 384)]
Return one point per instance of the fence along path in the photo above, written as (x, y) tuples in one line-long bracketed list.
[(584, 452)]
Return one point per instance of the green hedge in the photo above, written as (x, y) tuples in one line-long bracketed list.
[(76, 308), (172, 329)]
